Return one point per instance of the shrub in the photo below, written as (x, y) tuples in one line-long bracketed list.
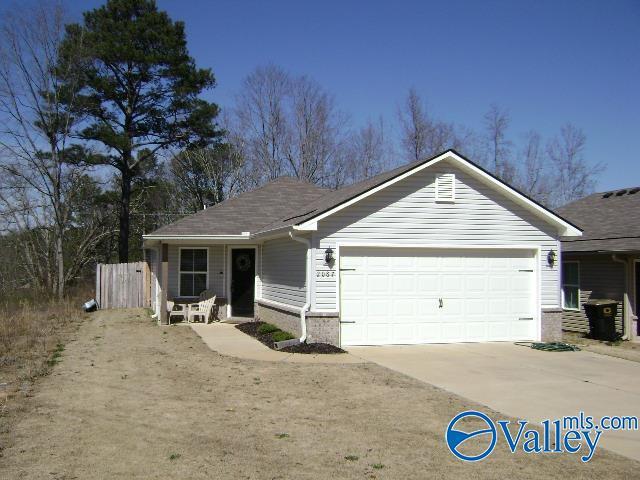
[(280, 336), (267, 328)]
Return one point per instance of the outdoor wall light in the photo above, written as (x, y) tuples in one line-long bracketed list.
[(328, 255), (551, 258)]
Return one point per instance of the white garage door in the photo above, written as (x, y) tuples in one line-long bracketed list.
[(408, 296)]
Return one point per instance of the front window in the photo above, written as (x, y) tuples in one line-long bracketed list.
[(193, 271), (571, 285)]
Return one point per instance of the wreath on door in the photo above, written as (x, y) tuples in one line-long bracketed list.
[(243, 262)]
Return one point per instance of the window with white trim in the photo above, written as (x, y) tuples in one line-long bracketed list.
[(446, 187), (193, 271), (571, 285)]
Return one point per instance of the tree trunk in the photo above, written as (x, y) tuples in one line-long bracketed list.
[(125, 200), (60, 284)]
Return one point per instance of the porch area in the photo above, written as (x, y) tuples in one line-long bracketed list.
[(185, 273)]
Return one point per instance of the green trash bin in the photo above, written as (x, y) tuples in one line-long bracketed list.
[(602, 318)]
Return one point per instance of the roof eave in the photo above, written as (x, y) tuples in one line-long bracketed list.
[(152, 240)]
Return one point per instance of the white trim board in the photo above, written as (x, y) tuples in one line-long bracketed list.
[(564, 228)]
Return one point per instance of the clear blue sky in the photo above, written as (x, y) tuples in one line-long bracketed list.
[(548, 62)]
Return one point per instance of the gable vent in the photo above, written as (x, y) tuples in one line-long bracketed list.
[(445, 187)]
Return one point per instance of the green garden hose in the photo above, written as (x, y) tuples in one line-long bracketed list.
[(550, 346)]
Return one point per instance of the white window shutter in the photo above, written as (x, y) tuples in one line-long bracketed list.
[(446, 187)]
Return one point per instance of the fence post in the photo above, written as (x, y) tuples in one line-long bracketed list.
[(164, 284)]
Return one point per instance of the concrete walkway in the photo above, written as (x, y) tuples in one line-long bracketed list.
[(225, 339), (525, 383)]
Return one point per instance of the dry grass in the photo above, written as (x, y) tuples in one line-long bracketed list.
[(131, 400), (32, 338)]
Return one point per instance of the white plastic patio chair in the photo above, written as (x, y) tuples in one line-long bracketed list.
[(201, 310), (182, 312)]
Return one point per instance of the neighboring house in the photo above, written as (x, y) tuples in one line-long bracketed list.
[(604, 262), (435, 251)]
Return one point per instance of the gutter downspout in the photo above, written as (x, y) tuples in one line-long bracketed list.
[(626, 317), (306, 306)]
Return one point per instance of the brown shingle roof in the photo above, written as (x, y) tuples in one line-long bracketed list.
[(610, 220), (249, 211), (281, 203)]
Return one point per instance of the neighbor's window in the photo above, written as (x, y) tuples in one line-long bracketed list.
[(193, 271), (571, 285)]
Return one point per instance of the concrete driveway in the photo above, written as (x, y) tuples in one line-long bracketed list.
[(526, 383)]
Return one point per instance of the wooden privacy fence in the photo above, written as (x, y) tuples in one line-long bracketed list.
[(123, 285)]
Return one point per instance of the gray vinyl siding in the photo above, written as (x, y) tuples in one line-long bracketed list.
[(407, 212), (216, 268), (600, 277), (283, 271)]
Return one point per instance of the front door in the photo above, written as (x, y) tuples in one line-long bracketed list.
[(243, 274)]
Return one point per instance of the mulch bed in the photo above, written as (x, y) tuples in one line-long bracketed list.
[(324, 348), (251, 328)]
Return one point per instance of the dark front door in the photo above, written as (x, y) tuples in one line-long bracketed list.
[(243, 272)]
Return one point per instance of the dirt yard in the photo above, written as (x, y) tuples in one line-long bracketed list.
[(625, 350), (133, 400)]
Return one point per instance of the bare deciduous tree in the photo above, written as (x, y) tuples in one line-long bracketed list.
[(40, 164), (367, 153), (496, 122), (206, 176), (574, 177), (423, 136), (533, 178), (286, 125)]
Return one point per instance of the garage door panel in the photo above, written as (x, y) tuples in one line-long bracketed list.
[(475, 283), (476, 332), (353, 284), (427, 284), (404, 333), (378, 262), (451, 285), (452, 307), (427, 263), (351, 333), (499, 330), (403, 308), (402, 263), (473, 263), (428, 309), (453, 332), (353, 309), (378, 334), (523, 328), (394, 296), (430, 332), (497, 306), (378, 310), (378, 284), (451, 263), (403, 284), (350, 261)]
